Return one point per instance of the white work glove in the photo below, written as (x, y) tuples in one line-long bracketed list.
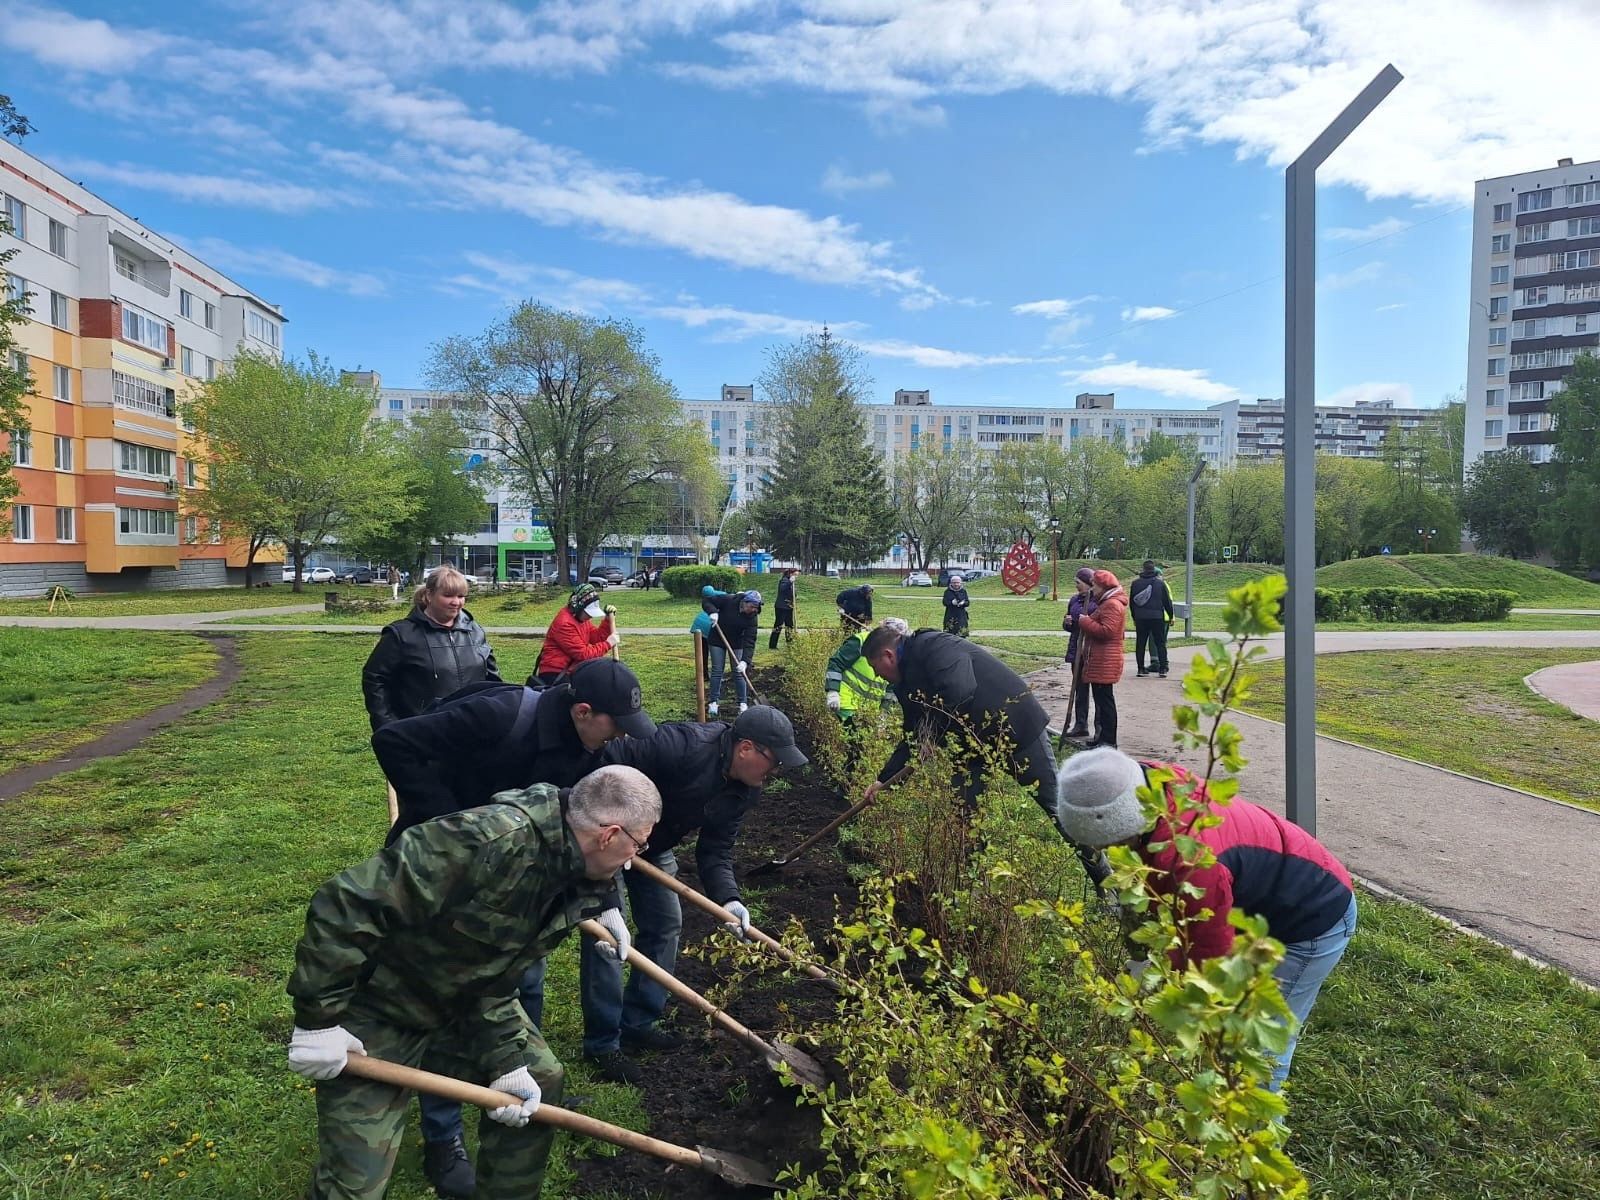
[(613, 923), (842, 613), (833, 701), (714, 617), (742, 914), (518, 1083), (739, 665), (322, 1053), (613, 638)]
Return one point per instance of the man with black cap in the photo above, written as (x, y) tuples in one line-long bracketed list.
[(709, 775), (734, 617), (492, 739)]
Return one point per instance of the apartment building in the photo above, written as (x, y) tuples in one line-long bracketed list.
[(1535, 301), (123, 324), (1351, 431)]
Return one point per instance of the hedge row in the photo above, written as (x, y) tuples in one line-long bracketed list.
[(685, 582), (1413, 604)]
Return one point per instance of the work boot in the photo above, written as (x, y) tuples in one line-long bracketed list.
[(651, 1037), (616, 1067), (711, 709), (449, 1169), (1079, 732)]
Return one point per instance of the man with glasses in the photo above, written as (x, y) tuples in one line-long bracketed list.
[(709, 775)]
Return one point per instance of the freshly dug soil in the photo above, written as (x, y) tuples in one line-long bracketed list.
[(714, 1092)]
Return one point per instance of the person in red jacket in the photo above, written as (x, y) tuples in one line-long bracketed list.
[(1264, 866), (1103, 668), (581, 631)]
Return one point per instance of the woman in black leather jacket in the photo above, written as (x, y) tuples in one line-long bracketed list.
[(434, 650)]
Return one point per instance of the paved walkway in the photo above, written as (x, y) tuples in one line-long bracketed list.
[(1571, 685), (1514, 866)]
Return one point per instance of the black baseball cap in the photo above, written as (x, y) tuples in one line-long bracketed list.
[(608, 687), (766, 726)]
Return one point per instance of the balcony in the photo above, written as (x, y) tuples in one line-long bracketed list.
[(129, 271)]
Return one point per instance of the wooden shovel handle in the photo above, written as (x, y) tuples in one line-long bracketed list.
[(383, 1071), (734, 654), (844, 816), (701, 900), (681, 990)]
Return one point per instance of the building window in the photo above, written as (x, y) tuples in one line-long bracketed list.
[(63, 454), (1576, 260), (16, 216), (211, 367), (396, 405), (22, 522), (143, 329), (1529, 297), (213, 531), (1498, 307), (66, 525), (60, 314), (129, 391), (185, 304), (147, 520), (186, 361), (1527, 391), (1497, 366), (58, 246), (1583, 193), (22, 447), (1494, 397), (1584, 227), (144, 460), (17, 289), (191, 477), (1498, 275), (1500, 243), (63, 382), (1580, 323), (191, 530), (1533, 233), (1527, 422), (1534, 201), (1497, 336), (1493, 428), (211, 315), (264, 330), (1502, 212)]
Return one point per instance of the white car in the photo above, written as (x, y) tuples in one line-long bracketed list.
[(311, 575), (473, 580), (918, 579)]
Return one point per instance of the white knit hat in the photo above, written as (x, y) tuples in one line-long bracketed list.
[(1096, 804)]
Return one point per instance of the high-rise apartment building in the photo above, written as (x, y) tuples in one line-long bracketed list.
[(1535, 301), (123, 324), (1347, 430)]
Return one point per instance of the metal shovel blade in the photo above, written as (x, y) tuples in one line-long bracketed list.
[(806, 1069), (736, 1168)]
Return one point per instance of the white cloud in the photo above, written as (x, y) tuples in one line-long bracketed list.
[(935, 356), (1365, 393), (1148, 312), (1387, 227), (279, 264), (1066, 317), (59, 39), (513, 281), (1388, 307), (728, 324), (205, 189), (1187, 383), (1355, 277), (838, 181), (1053, 309)]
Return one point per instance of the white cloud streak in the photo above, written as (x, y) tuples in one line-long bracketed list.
[(207, 189), (938, 357), (1387, 227), (838, 181), (1185, 383), (1366, 393), (1148, 312), (280, 264)]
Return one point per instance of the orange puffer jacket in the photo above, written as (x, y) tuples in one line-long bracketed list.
[(1104, 628)]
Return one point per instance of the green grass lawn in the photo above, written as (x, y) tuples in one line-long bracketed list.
[(66, 687), (1467, 710), (144, 604), (149, 908), (1535, 586)]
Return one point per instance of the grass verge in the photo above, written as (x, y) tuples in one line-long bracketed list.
[(149, 907), (186, 600), (65, 687), (1468, 711)]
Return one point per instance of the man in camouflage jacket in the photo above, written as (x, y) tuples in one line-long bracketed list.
[(415, 956)]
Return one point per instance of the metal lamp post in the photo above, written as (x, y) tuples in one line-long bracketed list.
[(1300, 464), (1055, 563), (1188, 560), (750, 550), (1427, 536)]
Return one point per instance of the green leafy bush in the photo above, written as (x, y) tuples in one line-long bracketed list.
[(685, 582), (1413, 604)]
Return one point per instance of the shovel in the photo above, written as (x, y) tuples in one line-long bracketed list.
[(654, 873), (734, 1168), (816, 837), (734, 655), (806, 1069)]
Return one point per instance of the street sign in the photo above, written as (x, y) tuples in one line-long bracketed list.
[(1229, 551)]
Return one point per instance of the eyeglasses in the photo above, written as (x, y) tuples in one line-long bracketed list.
[(640, 845), (771, 757)]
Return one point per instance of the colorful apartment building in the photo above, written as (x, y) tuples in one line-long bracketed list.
[(124, 324)]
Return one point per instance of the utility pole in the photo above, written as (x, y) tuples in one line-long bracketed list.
[(1188, 562)]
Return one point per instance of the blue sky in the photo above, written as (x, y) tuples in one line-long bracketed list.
[(1005, 202)]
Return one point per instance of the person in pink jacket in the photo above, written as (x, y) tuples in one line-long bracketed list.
[(1103, 629)]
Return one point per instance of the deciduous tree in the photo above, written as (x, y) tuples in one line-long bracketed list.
[(1574, 510), (1502, 504), (935, 498)]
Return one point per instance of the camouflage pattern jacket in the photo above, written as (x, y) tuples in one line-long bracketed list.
[(439, 926)]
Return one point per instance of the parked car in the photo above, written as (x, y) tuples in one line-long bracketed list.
[(613, 576), (365, 575), (310, 575), (471, 579), (918, 579), (598, 580)]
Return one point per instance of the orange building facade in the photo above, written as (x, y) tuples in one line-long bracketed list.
[(124, 325)]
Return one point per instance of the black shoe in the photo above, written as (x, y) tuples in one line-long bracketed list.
[(1075, 733), (449, 1169), (651, 1037), (616, 1067), (1141, 674), (1097, 743), (1163, 674)]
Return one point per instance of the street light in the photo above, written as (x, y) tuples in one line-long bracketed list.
[(1427, 536), (1055, 563), (1188, 562), (750, 549), (1119, 546)]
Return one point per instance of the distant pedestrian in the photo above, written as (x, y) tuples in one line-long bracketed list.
[(1264, 866), (783, 609), (581, 630), (956, 601), (1081, 604), (855, 607), (1103, 668), (1150, 601)]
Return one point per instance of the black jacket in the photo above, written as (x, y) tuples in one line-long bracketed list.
[(417, 662), (688, 763), (786, 592), (738, 627), (1149, 598), (943, 678), (469, 748), (856, 602)]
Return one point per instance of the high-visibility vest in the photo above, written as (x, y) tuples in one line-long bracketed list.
[(859, 685)]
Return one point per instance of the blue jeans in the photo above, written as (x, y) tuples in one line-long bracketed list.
[(1300, 975), (609, 1009), (441, 1119), (719, 663)]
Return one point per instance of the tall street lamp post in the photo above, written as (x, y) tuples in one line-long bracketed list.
[(1427, 536), (1055, 563)]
